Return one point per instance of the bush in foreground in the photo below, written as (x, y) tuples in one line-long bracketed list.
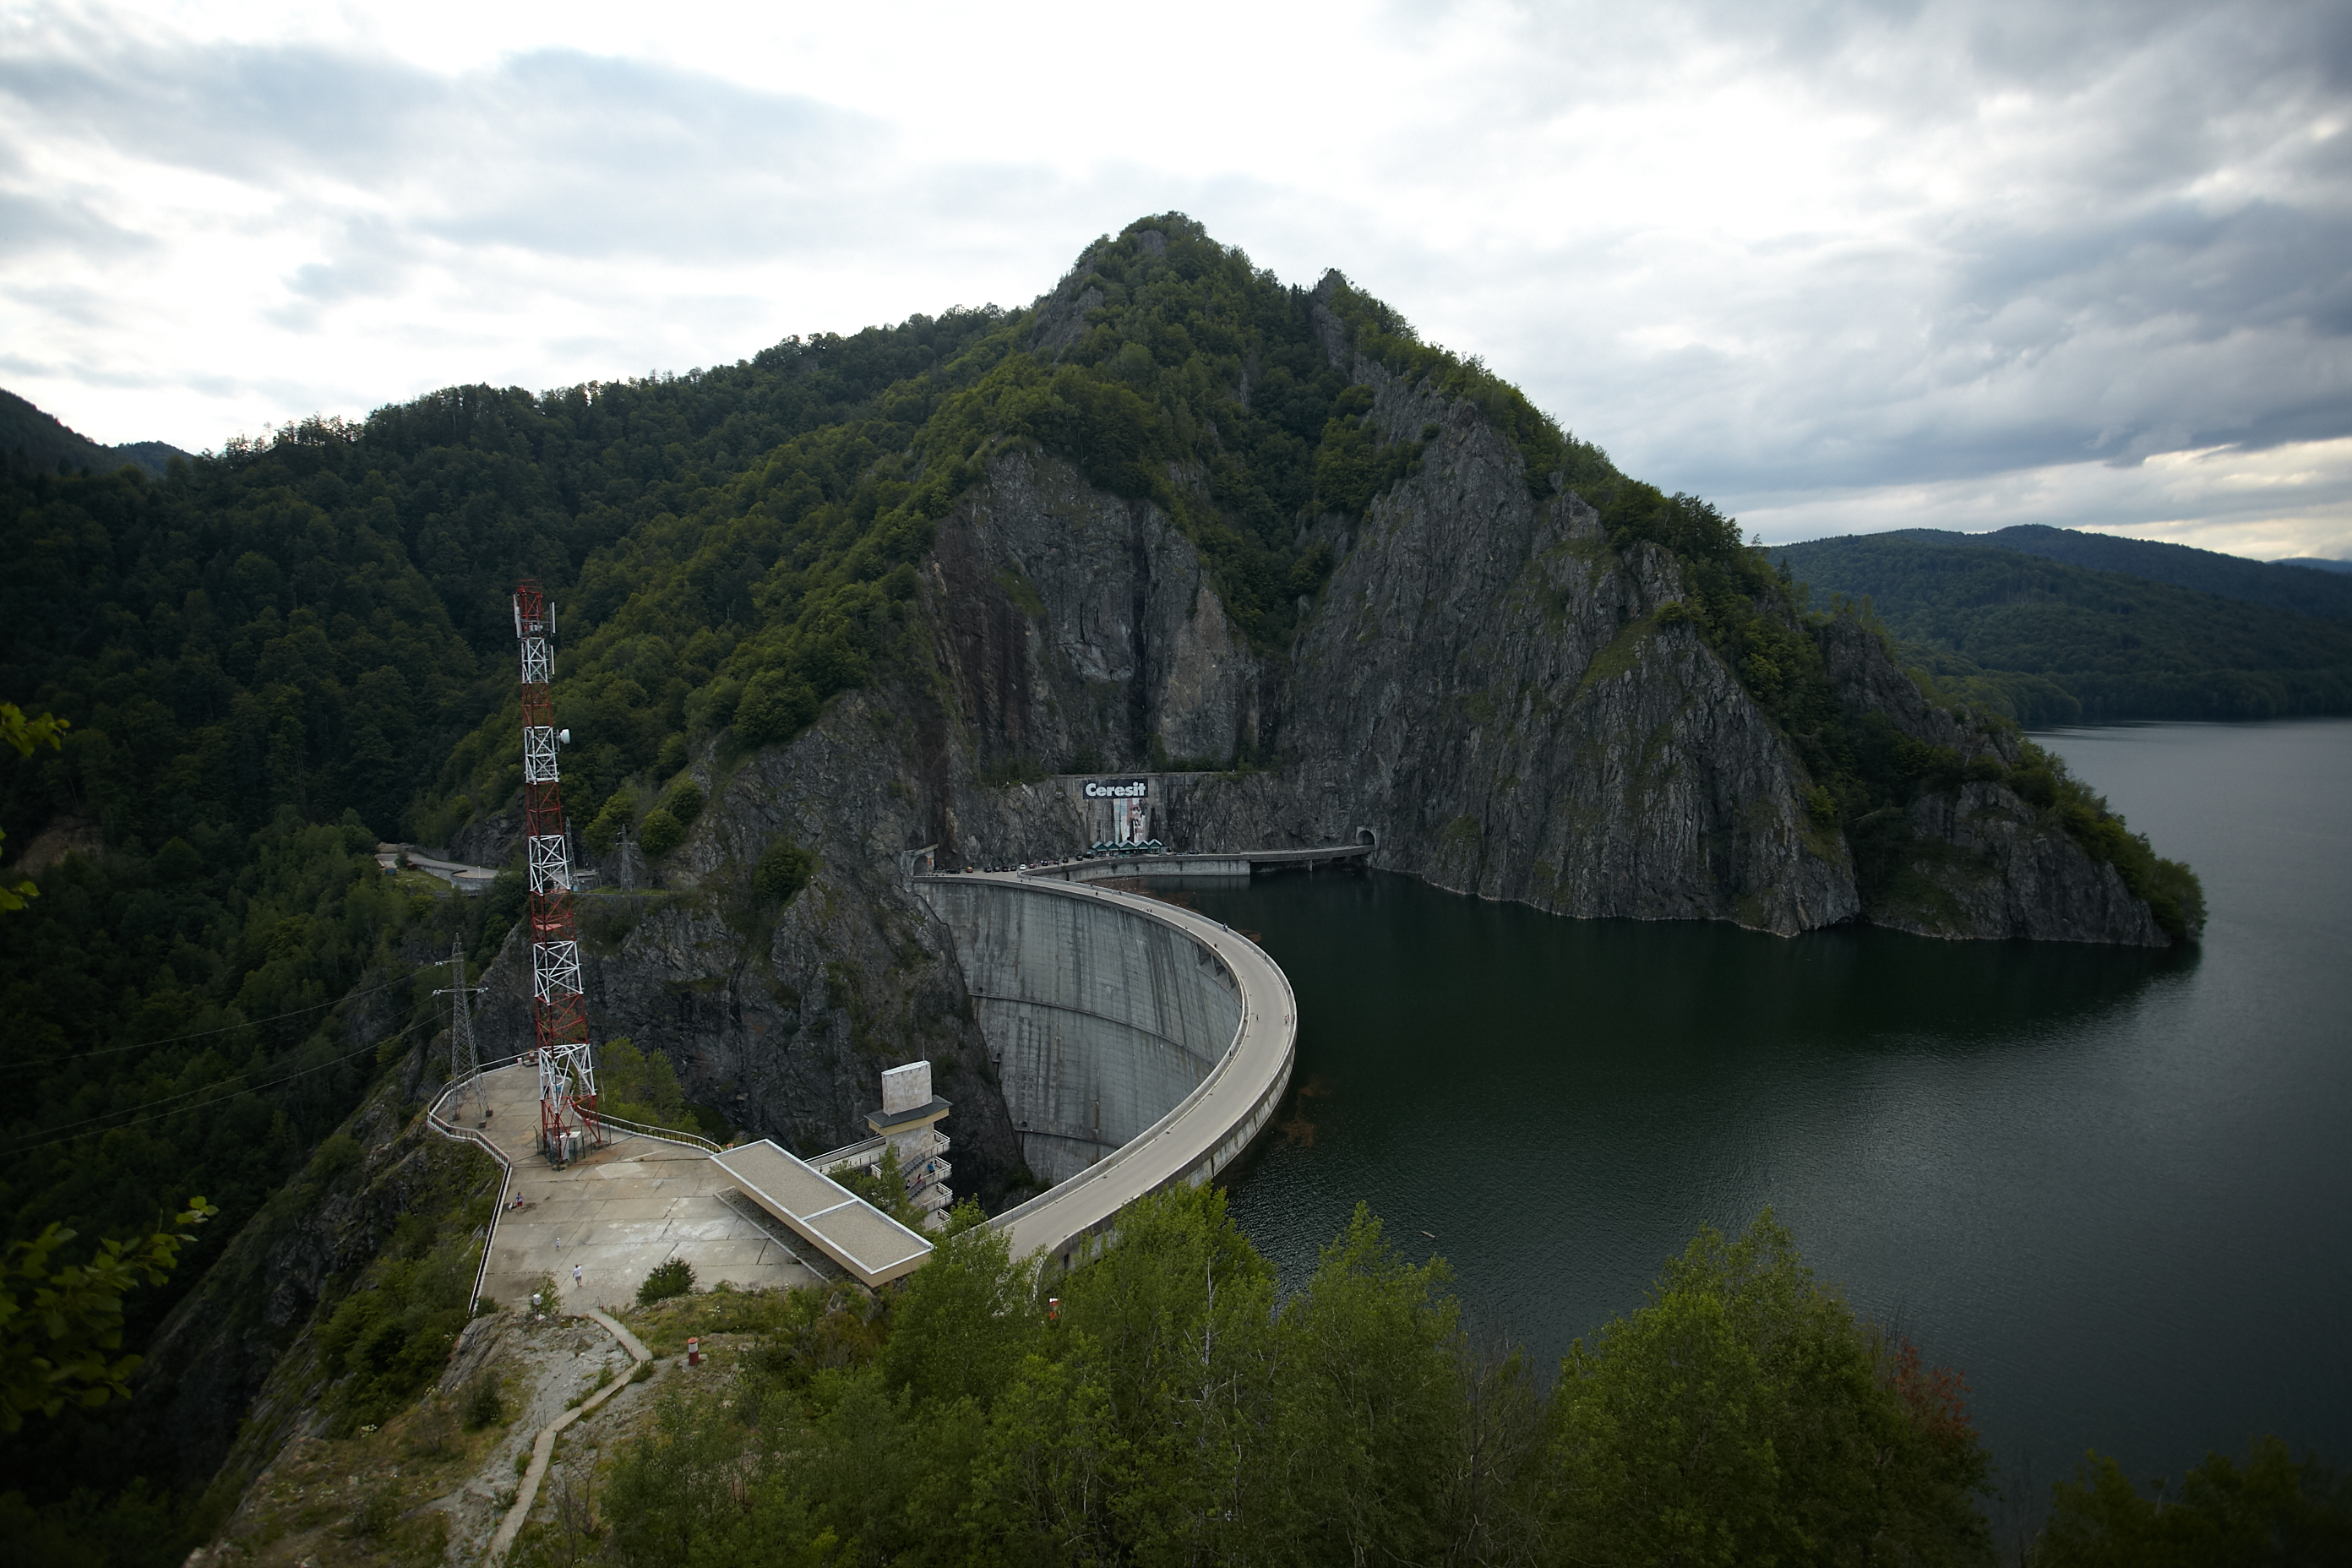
[(1175, 1408), (675, 1278)]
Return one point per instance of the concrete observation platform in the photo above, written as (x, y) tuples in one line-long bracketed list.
[(616, 1214)]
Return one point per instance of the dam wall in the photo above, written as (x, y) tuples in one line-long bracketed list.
[(1099, 1018), (1136, 1044)]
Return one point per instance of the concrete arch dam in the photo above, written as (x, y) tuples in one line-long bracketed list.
[(1136, 1044)]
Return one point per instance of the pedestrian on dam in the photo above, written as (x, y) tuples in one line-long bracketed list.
[(576, 1275)]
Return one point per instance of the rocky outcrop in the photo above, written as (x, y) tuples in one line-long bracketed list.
[(1076, 625), (1982, 863), (1485, 688)]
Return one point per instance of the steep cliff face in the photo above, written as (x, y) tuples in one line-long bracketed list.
[(1507, 705), (1075, 625)]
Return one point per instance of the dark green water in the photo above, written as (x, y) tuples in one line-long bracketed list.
[(2114, 1188)]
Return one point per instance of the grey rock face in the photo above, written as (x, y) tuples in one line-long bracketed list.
[(1487, 689), (1076, 624), (1984, 865)]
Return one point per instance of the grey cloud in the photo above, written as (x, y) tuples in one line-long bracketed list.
[(556, 151), (31, 223), (2098, 299)]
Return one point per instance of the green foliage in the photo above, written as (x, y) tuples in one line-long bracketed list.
[(618, 813), (684, 801), (640, 1086), (59, 1321), (774, 706), (2273, 1510), (785, 868), (24, 734), (391, 1336), (2280, 586), (673, 1276), (965, 1321), (1743, 1416), (660, 832), (483, 1403), (2046, 642), (1169, 1412)]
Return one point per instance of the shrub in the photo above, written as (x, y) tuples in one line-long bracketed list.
[(675, 1278), (485, 1404), (604, 830), (783, 870), (684, 801), (660, 832), (774, 706)]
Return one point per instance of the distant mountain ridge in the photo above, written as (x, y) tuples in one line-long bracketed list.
[(41, 440), (2277, 584), (2007, 620), (2315, 563)]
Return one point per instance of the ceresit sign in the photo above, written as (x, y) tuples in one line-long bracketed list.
[(1116, 789)]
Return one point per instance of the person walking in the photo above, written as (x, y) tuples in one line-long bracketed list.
[(576, 1275)]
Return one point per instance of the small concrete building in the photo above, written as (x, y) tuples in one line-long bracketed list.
[(908, 1123)]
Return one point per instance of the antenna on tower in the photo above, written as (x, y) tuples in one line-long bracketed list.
[(465, 1059), (567, 1063)]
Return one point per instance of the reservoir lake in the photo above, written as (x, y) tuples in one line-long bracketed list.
[(2113, 1187)]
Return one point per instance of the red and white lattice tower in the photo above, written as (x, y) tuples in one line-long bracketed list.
[(567, 1066)]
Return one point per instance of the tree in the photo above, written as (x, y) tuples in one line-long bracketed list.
[(783, 870), (1744, 1416), (24, 734), (964, 1321), (2273, 1510), (59, 1321), (1367, 1406)]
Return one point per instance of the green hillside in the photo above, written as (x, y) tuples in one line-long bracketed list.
[(2276, 583), (2050, 643)]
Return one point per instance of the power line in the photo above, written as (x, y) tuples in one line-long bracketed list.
[(231, 1093), (207, 1033)]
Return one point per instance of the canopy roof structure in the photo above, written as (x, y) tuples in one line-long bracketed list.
[(873, 1247)]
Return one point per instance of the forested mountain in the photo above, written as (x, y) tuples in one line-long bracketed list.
[(31, 438), (2316, 563), (2182, 566), (850, 597), (2004, 620)]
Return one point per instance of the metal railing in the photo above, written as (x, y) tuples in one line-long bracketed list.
[(666, 1134), (448, 1129)]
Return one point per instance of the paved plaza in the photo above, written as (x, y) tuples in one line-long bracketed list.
[(615, 1214)]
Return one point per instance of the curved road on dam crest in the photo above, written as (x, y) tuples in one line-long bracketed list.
[(1203, 1131)]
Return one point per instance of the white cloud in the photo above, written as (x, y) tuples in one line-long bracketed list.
[(1852, 258)]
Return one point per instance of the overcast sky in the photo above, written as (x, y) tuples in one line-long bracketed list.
[(1837, 267)]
